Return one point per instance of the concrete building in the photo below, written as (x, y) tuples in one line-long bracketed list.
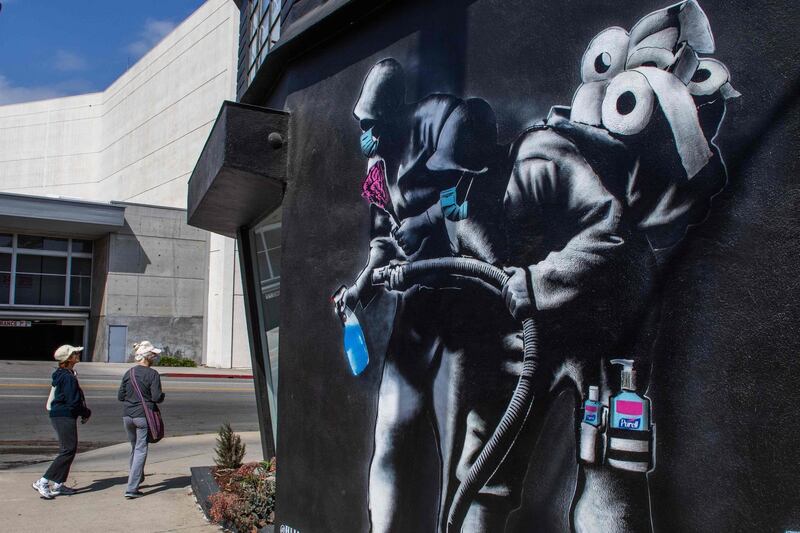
[(126, 152)]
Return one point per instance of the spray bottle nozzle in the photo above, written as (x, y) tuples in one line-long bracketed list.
[(627, 375)]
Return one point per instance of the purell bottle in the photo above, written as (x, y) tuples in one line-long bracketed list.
[(590, 426), (629, 432)]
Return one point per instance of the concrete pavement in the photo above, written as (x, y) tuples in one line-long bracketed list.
[(100, 476)]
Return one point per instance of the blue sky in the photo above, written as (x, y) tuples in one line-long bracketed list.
[(51, 48)]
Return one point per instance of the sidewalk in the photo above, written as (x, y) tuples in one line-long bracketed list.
[(101, 475)]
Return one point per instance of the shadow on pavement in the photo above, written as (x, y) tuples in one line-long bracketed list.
[(102, 484), (171, 483)]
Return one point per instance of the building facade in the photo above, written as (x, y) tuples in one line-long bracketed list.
[(131, 149), (630, 166)]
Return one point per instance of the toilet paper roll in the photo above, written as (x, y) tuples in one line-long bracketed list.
[(623, 115), (628, 104), (651, 57), (605, 56), (708, 78), (587, 102)]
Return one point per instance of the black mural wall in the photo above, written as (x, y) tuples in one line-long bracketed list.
[(709, 318)]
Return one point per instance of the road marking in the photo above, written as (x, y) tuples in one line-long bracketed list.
[(115, 387)]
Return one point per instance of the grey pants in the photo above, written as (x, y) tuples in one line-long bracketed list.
[(137, 435)]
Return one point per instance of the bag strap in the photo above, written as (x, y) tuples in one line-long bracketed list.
[(148, 413), (138, 390)]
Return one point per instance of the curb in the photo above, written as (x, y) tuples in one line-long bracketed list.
[(210, 376)]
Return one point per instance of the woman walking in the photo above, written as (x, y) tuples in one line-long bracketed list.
[(149, 385), (67, 405)]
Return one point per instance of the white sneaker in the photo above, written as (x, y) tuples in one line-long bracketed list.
[(59, 489), (43, 489)]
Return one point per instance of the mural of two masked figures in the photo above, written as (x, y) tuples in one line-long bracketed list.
[(511, 290)]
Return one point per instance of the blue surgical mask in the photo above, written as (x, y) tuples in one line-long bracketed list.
[(369, 144), (450, 208)]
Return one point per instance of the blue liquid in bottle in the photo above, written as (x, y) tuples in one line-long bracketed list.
[(355, 346)]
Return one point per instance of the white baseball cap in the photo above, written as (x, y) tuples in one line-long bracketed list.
[(65, 351)]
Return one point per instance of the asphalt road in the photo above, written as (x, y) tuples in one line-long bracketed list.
[(193, 405)]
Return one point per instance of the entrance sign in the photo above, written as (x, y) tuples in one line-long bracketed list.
[(15, 323)]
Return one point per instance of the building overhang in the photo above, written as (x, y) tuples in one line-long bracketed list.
[(59, 216), (241, 173)]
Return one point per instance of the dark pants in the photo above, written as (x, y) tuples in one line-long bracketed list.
[(67, 431)]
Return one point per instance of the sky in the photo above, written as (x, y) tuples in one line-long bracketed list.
[(52, 48)]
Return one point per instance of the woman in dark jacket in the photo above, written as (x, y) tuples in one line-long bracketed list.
[(66, 406), (133, 413)]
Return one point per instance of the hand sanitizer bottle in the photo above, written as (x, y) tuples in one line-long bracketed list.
[(629, 432), (629, 410), (590, 426)]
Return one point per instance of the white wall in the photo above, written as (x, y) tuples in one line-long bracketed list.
[(138, 141)]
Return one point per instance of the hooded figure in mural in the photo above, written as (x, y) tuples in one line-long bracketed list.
[(435, 180), (579, 211)]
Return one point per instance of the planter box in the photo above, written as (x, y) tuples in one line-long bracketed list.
[(203, 486)]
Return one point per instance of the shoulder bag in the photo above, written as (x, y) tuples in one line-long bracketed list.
[(155, 424)]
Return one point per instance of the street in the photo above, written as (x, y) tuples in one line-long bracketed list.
[(193, 405)]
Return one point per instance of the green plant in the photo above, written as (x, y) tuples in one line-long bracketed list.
[(230, 448), (168, 360)]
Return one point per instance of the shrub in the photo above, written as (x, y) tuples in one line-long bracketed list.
[(169, 360), (230, 448), (246, 498)]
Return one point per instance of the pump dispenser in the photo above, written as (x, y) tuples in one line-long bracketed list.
[(629, 410), (629, 432)]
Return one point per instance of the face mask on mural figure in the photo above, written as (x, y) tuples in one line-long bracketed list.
[(369, 144)]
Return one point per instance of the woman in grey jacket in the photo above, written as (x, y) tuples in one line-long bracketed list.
[(133, 417)]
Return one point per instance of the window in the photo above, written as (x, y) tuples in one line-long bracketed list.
[(265, 241), (45, 271), (259, 30)]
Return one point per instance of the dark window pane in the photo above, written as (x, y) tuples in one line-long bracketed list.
[(42, 243), (36, 264), (272, 312), (26, 289), (81, 266), (275, 261), (79, 291), (29, 263), (6, 240), (273, 238), (39, 290), (263, 267), (53, 290), (5, 262), (81, 246), (54, 265), (5, 288)]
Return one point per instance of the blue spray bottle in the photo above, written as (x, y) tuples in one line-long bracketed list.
[(355, 345), (629, 432)]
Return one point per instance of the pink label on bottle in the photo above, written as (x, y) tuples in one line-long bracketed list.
[(591, 408), (629, 408)]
